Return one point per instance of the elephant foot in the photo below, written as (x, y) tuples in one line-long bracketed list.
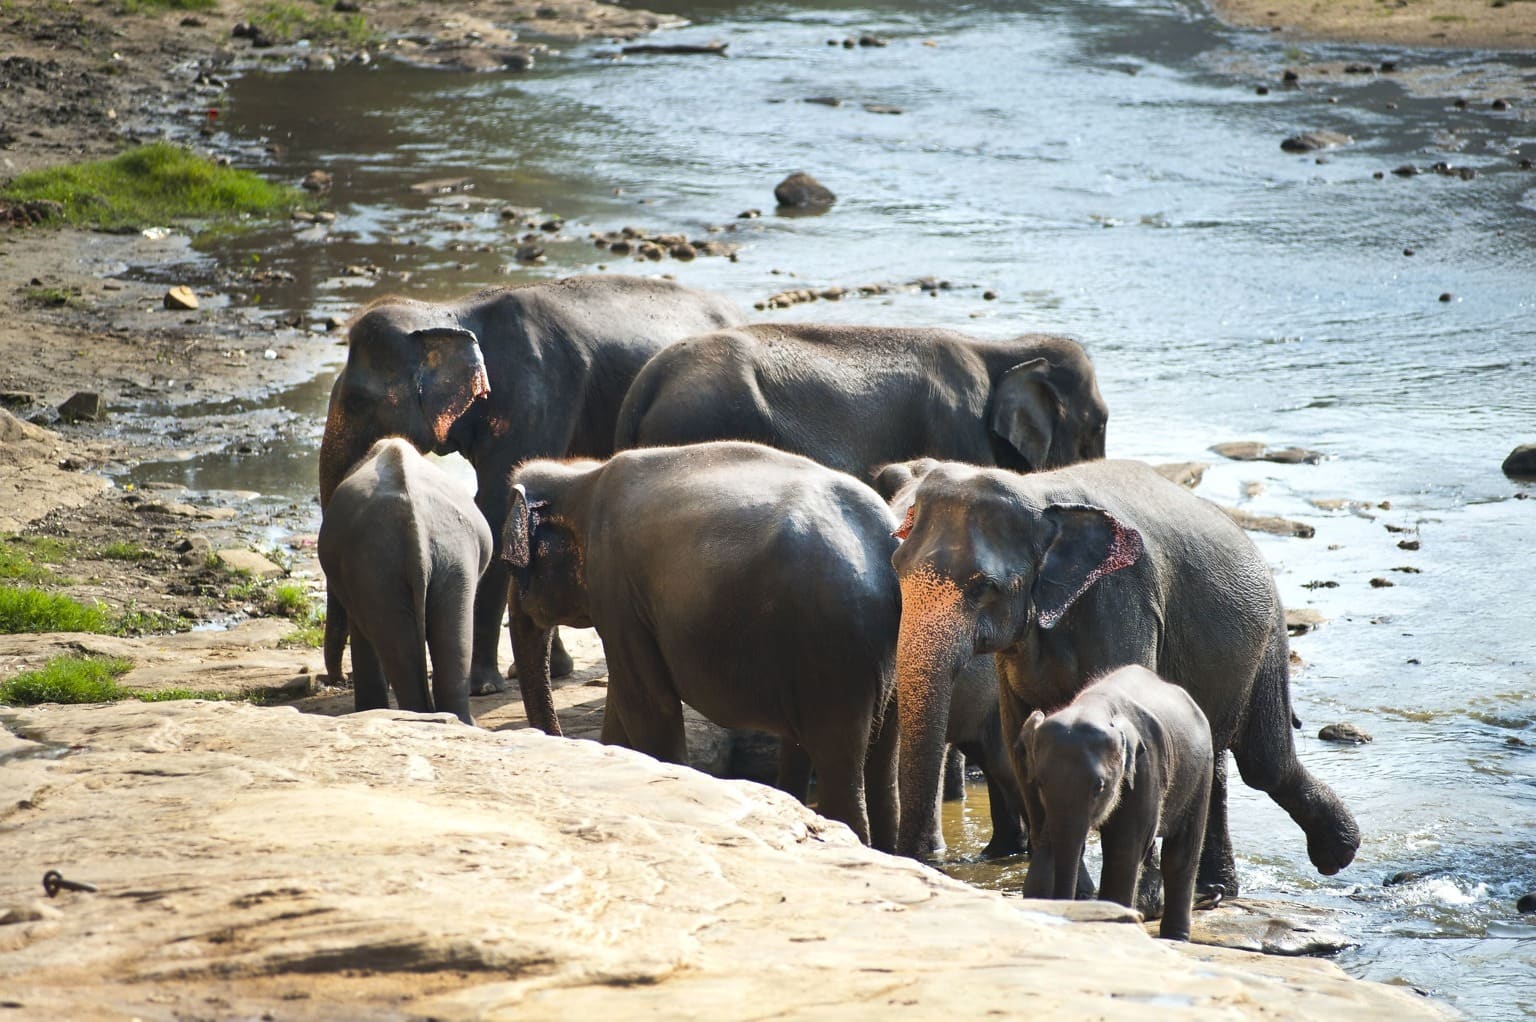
[(486, 681), (1149, 893), (1002, 848), (1216, 883), (560, 662)]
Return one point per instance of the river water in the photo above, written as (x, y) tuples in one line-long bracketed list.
[(1110, 171)]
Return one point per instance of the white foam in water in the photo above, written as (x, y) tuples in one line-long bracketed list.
[(1444, 891)]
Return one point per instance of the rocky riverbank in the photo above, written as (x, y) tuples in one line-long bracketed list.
[(254, 862), (1470, 24)]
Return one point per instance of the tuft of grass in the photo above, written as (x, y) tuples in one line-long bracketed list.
[(288, 21), (288, 599), (124, 550), (23, 609), (52, 297), (68, 679), (170, 695), (149, 185), (134, 621)]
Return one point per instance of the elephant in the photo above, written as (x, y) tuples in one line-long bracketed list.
[(403, 548), (500, 376), (858, 397), (753, 584), (1130, 756), (975, 729), (1066, 574)]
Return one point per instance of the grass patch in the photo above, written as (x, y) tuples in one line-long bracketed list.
[(308, 635), (134, 621), (149, 185), (86, 679), (157, 6), (288, 21), (123, 550), (288, 599), (24, 609), (68, 679), (52, 297)]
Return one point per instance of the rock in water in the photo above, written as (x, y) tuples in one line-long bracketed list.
[(1345, 733), (1312, 141), (1521, 463), (180, 298), (801, 191), (85, 406)]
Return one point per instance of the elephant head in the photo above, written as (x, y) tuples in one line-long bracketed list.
[(982, 563), (411, 372), (1046, 412), (543, 542), (1078, 768)]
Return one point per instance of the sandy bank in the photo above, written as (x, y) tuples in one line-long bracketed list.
[(1474, 24)]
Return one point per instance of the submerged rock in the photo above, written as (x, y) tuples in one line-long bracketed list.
[(1253, 450), (1345, 733), (1313, 141), (1521, 463), (802, 191), (1273, 928)]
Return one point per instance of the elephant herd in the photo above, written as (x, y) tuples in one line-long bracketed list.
[(838, 535)]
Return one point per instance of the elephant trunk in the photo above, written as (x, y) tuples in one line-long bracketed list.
[(1067, 849), (531, 648), (931, 647)]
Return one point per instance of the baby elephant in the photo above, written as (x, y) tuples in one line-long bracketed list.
[(403, 547), (1131, 756)]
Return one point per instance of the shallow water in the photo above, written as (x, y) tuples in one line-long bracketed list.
[(1109, 171)]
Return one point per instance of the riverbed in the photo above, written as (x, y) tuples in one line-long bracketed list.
[(1112, 171)]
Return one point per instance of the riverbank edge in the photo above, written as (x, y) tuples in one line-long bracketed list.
[(1438, 24)]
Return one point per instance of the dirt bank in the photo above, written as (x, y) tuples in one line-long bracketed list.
[(1475, 24)]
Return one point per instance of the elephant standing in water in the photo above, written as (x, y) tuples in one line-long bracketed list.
[(753, 584), (1068, 574), (403, 548), (858, 397), (501, 376)]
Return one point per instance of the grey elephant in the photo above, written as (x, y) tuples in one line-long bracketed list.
[(1130, 757), (1070, 573), (500, 376), (858, 397), (752, 584), (403, 548)]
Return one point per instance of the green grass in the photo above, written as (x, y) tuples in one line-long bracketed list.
[(51, 297), (23, 557), (68, 679), (123, 550), (150, 185), (86, 679), (288, 599), (24, 609), (156, 6), (288, 21), (307, 635)]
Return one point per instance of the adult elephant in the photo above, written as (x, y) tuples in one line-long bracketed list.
[(500, 376), (753, 584), (858, 397), (1068, 574)]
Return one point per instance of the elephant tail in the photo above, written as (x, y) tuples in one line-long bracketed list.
[(335, 637)]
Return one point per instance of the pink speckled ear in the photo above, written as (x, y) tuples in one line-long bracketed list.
[(517, 532), (450, 376), (1089, 544)]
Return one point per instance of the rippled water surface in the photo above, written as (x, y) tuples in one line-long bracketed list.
[(1108, 170)]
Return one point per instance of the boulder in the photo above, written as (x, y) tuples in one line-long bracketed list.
[(251, 562), (388, 865), (1345, 733), (1521, 463), (1312, 141), (802, 191), (83, 406)]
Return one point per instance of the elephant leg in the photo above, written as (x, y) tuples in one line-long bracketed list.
[(493, 497), (1149, 886), (1266, 758), (954, 775), (1218, 867), (794, 770), (399, 647), (839, 765), (1008, 836), (370, 689), (1181, 860), (448, 640), (1126, 838), (880, 790), (335, 637), (642, 698)]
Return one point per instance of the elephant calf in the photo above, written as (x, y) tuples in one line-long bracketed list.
[(1130, 757), (403, 548), (753, 584)]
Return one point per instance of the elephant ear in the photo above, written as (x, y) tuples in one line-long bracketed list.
[(517, 532), (1128, 757), (1088, 544), (1026, 408), (450, 376), (1026, 740)]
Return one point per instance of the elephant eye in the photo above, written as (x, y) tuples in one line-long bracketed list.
[(1098, 786)]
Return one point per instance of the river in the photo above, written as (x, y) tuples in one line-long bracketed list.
[(1112, 171)]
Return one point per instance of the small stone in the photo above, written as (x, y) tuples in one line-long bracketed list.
[(1521, 463), (1381, 583), (316, 181), (1499, 104), (683, 251), (1407, 251), (802, 191), (180, 299), (1388, 66), (1406, 170), (1313, 141), (1262, 90), (346, 7), (1324, 584), (1358, 69), (989, 296), (333, 323), (84, 406), (881, 108), (873, 40), (1460, 104), (1407, 544), (824, 100), (1446, 296), (529, 253), (749, 214), (1526, 163), (1345, 733), (194, 551), (1290, 77), (1526, 905)]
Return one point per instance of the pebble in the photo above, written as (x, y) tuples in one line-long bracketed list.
[(180, 298), (83, 406), (316, 181), (1381, 583), (1446, 296), (1313, 141)]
